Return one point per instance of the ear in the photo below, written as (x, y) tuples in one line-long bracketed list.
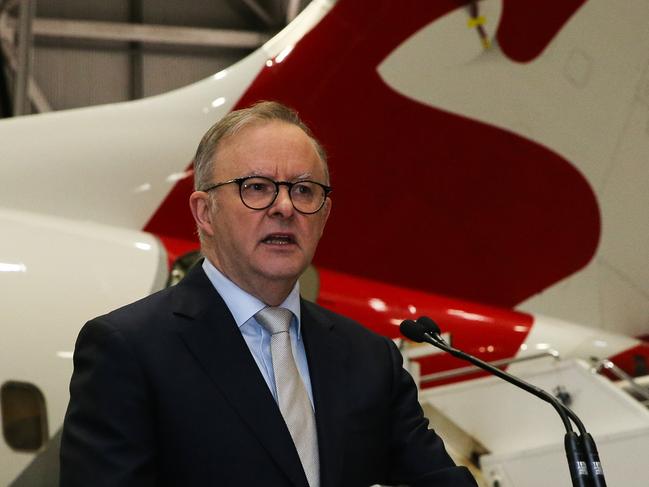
[(327, 208), (201, 211)]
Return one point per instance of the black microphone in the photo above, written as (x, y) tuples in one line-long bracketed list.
[(429, 326), (426, 330), (413, 330), (588, 447)]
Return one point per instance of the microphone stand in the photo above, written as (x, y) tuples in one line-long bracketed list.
[(584, 472)]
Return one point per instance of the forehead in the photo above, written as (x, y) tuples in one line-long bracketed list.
[(274, 148)]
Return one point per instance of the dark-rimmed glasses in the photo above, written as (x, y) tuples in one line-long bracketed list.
[(259, 193)]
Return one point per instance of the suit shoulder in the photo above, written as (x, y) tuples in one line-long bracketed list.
[(139, 314)]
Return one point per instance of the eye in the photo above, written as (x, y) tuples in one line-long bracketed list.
[(303, 189), (258, 185)]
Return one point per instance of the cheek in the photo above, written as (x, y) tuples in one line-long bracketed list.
[(242, 233), (239, 235), (315, 230)]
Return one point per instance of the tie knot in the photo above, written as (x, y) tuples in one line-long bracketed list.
[(275, 320)]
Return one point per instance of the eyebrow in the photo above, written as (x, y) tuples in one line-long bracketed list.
[(299, 177)]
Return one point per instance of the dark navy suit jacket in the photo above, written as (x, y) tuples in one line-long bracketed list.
[(166, 392)]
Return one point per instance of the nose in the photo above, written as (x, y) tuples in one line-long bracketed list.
[(282, 204)]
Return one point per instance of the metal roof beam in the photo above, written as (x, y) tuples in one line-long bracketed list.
[(154, 34), (259, 11), (292, 9)]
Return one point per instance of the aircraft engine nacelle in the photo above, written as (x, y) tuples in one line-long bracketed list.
[(94, 268)]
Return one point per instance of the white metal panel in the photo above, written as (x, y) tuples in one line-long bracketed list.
[(507, 419), (525, 435), (624, 462), (569, 340)]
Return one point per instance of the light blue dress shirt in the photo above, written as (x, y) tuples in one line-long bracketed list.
[(244, 307)]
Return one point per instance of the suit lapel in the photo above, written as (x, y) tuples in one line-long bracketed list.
[(211, 335), (326, 354)]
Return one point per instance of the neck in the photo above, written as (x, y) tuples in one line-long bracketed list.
[(272, 292), (271, 295)]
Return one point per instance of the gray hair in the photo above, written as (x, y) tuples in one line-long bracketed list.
[(263, 111)]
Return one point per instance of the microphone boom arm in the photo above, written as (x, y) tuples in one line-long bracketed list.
[(583, 460)]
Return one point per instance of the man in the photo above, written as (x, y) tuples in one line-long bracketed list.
[(229, 378)]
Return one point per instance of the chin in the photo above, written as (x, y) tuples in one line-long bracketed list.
[(282, 272)]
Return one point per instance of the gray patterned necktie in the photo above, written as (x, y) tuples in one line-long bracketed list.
[(292, 397)]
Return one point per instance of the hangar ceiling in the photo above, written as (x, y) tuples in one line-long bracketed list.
[(88, 52)]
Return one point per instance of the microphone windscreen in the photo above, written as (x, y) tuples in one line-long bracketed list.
[(429, 325), (413, 331)]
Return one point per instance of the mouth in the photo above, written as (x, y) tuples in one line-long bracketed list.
[(280, 239)]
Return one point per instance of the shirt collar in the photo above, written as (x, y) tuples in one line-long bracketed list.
[(243, 305)]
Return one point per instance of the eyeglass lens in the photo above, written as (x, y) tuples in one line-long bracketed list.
[(259, 193)]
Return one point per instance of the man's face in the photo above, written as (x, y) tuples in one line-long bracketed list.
[(254, 247)]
